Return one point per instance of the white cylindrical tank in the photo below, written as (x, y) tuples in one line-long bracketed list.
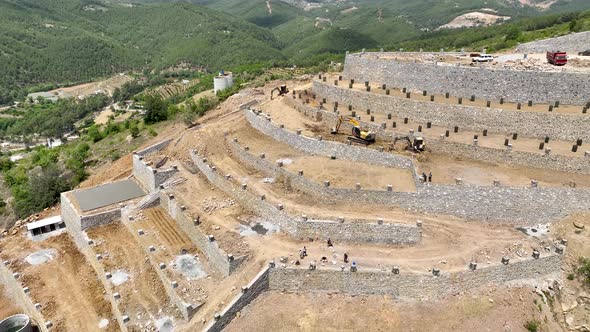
[(219, 83), (16, 323), (230, 79)]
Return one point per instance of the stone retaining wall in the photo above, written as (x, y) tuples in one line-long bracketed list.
[(257, 286), (217, 257), (537, 160), (187, 310), (73, 224), (14, 291), (149, 177), (516, 206), (529, 124), (411, 285), (325, 148), (359, 231), (154, 148), (512, 85)]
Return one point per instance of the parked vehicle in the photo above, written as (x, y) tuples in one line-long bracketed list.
[(585, 53), (483, 58), (557, 58)]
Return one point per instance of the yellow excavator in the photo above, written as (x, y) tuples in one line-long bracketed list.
[(282, 90), (357, 135), (415, 144)]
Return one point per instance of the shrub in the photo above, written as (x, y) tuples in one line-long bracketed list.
[(532, 325)]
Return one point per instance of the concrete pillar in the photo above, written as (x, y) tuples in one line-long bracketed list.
[(395, 270), (496, 183), (505, 260), (515, 136), (357, 186), (393, 124), (304, 217), (424, 93), (387, 92), (541, 146), (428, 125), (447, 133), (279, 163), (557, 104), (475, 142), (473, 266), (210, 237), (564, 242), (431, 97), (419, 223), (534, 183), (460, 100), (389, 188), (300, 172), (372, 118), (262, 156), (108, 275), (472, 98), (518, 106), (244, 186), (456, 129), (380, 221), (298, 131), (326, 184), (98, 257), (405, 120), (340, 219), (501, 100), (280, 207), (550, 108), (579, 142), (509, 146), (536, 254), (152, 248), (162, 266), (575, 148), (435, 272), (174, 284), (559, 249), (447, 95), (547, 151), (262, 197), (408, 95), (587, 154), (458, 181), (488, 103)]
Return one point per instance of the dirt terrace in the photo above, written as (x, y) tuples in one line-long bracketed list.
[(66, 286), (143, 297)]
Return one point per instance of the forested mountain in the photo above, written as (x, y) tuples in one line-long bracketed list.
[(70, 41), (59, 41)]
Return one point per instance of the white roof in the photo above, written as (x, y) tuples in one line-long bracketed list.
[(43, 222)]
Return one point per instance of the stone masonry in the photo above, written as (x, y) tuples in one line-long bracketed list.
[(528, 124), (517, 206), (575, 42), (302, 229), (216, 256), (411, 285), (537, 160), (464, 81)]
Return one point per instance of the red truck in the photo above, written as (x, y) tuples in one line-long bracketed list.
[(557, 58)]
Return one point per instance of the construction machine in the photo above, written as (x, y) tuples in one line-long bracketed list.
[(357, 135), (282, 90), (416, 145)]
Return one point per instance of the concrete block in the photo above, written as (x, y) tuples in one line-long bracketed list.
[(262, 197), (26, 290), (496, 183), (389, 188), (280, 207), (140, 232), (419, 223), (534, 183), (98, 257), (170, 196), (340, 219), (116, 296), (125, 318), (304, 217), (152, 248), (211, 238), (37, 306), (395, 270), (298, 131), (48, 324), (435, 272), (547, 151), (505, 260), (16, 275), (458, 181), (326, 184), (357, 186), (564, 242), (90, 242), (379, 221), (162, 266), (262, 156), (245, 289), (244, 186), (559, 249), (108, 275), (473, 266), (230, 257), (536, 254)]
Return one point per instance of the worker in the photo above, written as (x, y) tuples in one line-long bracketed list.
[(304, 251), (423, 177), (430, 177), (330, 243), (345, 258), (301, 254)]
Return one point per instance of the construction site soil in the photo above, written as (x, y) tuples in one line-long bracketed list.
[(74, 299)]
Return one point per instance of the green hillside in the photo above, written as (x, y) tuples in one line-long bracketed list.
[(60, 41), (50, 42)]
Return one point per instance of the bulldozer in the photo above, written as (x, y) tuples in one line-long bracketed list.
[(416, 144), (357, 135), (282, 90)]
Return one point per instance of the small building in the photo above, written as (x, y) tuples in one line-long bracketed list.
[(224, 80), (45, 226)]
